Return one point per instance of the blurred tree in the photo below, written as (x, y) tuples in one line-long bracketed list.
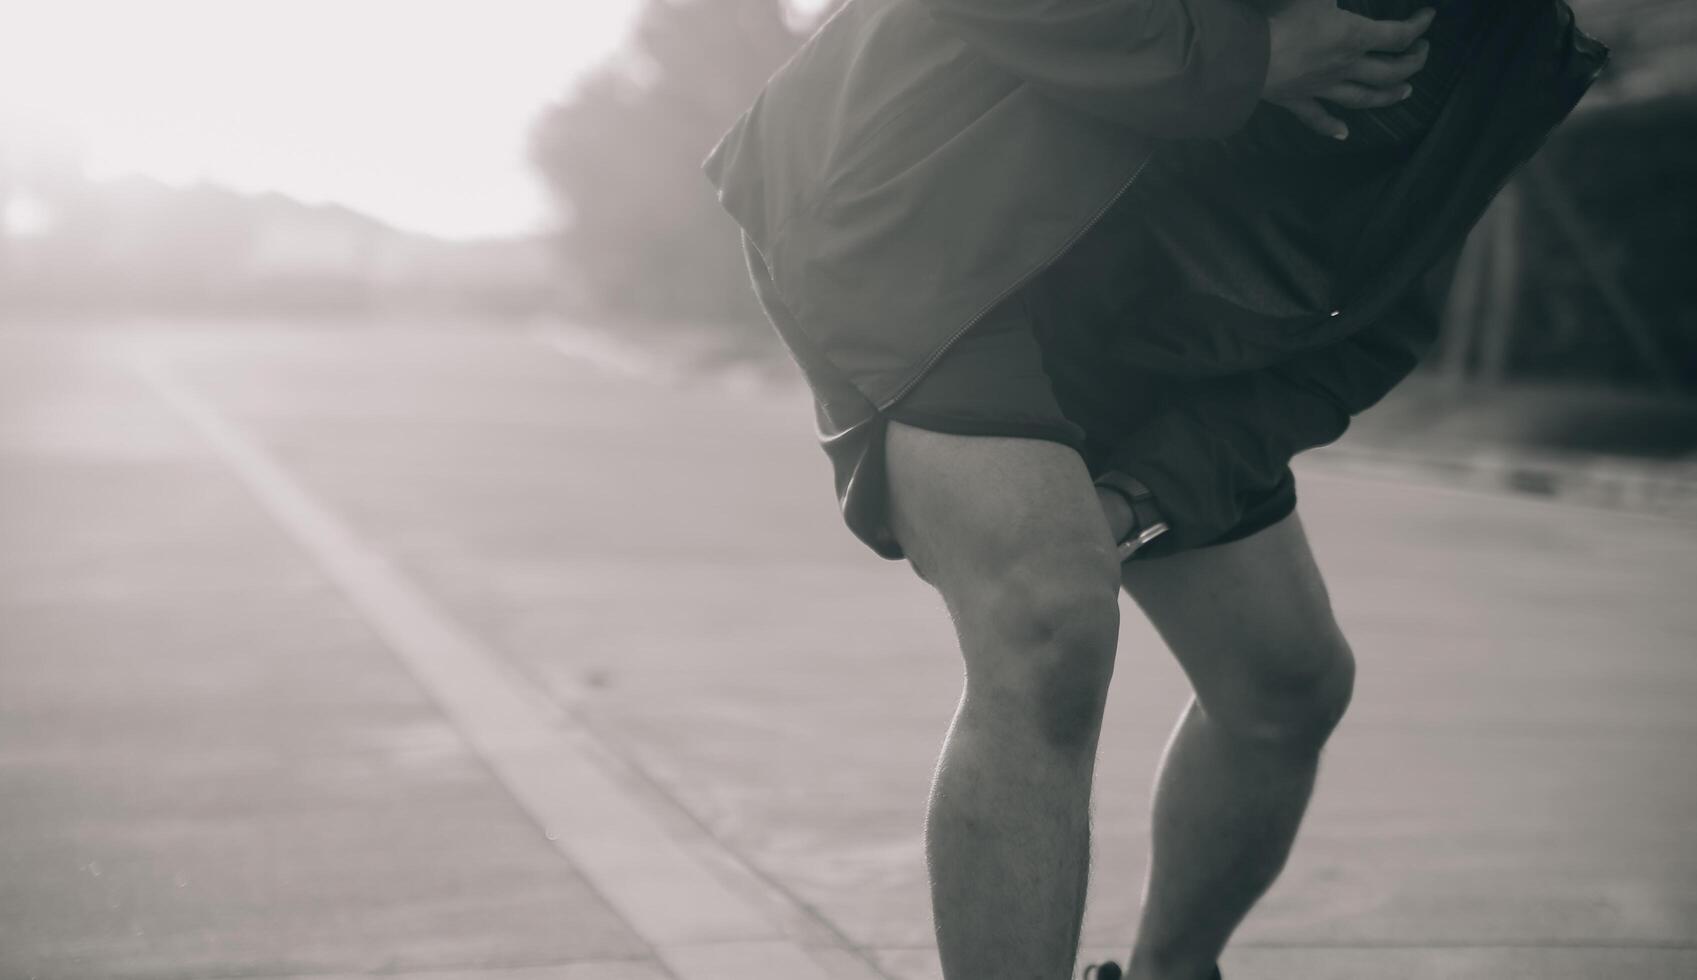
[(622, 156)]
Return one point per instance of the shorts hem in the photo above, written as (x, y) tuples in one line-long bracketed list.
[(1066, 433)]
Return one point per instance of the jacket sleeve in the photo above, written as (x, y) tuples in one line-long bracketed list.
[(1168, 68)]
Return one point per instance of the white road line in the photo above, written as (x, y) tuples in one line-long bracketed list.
[(700, 929)]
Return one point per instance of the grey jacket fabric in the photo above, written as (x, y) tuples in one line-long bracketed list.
[(918, 160)]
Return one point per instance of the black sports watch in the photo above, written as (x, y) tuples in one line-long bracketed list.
[(1147, 521)]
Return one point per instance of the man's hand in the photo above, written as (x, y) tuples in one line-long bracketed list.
[(1321, 52)]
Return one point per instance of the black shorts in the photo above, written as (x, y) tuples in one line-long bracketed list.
[(1037, 367)]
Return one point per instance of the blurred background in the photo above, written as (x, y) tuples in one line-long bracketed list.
[(331, 331), (387, 160), (405, 161), (428, 164)]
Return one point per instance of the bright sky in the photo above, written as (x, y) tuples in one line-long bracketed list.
[(412, 110)]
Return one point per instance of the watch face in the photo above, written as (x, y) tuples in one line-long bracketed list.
[(1151, 532)]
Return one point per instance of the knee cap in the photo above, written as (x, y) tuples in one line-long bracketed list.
[(1059, 657), (1297, 709)]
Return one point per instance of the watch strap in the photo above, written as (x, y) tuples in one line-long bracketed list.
[(1147, 521)]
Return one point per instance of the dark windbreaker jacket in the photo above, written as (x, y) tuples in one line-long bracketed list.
[(918, 160)]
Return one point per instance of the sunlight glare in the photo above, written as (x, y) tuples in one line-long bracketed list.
[(415, 112)]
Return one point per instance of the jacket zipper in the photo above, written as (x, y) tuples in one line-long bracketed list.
[(1021, 280)]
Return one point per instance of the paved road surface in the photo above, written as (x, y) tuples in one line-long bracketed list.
[(259, 609)]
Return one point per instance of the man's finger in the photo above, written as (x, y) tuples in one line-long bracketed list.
[(1392, 35), (1386, 70), (1353, 95), (1315, 117)]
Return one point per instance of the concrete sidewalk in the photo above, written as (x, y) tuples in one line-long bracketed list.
[(239, 743), (330, 655)]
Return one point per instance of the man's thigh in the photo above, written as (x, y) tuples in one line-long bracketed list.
[(974, 511), (1245, 616)]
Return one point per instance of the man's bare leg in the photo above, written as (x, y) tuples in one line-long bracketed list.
[(1251, 624), (1011, 533)]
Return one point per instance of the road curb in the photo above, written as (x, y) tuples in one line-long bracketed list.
[(669, 887), (1666, 488)]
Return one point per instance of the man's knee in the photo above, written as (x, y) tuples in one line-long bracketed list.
[(1292, 699), (1040, 643)]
